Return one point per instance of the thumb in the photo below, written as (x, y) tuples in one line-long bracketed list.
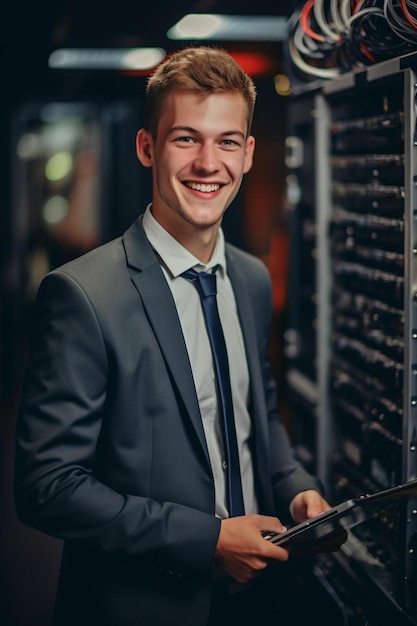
[(315, 505)]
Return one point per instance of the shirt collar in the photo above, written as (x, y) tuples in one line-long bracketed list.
[(174, 256)]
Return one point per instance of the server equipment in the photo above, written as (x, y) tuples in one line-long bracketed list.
[(352, 332)]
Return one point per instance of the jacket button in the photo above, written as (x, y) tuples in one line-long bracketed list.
[(224, 465)]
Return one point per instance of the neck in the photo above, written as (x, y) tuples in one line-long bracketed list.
[(200, 241), (202, 250)]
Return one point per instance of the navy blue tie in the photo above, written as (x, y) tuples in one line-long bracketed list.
[(205, 284)]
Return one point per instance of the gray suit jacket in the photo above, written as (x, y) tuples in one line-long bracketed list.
[(111, 454)]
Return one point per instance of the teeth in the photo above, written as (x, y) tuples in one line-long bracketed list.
[(203, 187)]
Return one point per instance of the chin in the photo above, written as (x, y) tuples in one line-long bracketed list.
[(206, 217)]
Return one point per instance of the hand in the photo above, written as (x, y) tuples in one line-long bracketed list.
[(241, 550), (308, 504)]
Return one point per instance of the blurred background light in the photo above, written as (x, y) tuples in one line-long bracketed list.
[(282, 85), (253, 63), (59, 166), (29, 146), (229, 27), (55, 210), (106, 58)]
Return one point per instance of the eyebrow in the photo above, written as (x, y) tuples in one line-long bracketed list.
[(190, 129)]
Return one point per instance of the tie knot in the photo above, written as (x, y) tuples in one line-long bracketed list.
[(205, 282)]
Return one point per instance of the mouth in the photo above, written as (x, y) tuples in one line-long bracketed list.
[(203, 187)]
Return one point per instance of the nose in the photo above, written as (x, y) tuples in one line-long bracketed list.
[(207, 159)]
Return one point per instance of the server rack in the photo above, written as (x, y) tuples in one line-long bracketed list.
[(353, 353), (300, 335)]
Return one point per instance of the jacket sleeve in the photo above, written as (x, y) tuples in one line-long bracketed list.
[(59, 425), (288, 476)]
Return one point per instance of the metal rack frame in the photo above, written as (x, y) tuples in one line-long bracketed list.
[(320, 97)]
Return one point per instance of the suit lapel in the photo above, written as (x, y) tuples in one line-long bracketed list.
[(160, 308), (247, 322)]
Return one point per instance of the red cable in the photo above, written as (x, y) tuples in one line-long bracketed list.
[(367, 53), (305, 21), (410, 19), (356, 7)]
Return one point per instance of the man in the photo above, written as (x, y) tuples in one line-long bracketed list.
[(119, 448)]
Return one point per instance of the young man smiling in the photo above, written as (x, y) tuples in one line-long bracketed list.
[(120, 451), (199, 155)]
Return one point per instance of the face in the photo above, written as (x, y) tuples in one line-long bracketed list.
[(198, 159)]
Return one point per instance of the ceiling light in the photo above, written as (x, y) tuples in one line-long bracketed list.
[(229, 27), (106, 58)]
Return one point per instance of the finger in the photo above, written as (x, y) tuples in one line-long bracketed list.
[(273, 553), (272, 524)]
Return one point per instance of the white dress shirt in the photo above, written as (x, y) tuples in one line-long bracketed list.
[(175, 259)]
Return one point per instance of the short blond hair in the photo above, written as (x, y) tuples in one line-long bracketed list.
[(201, 70)]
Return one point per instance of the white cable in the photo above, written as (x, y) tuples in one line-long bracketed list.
[(345, 11), (374, 10), (335, 20), (336, 17), (321, 21), (305, 44), (399, 26), (393, 19), (318, 72)]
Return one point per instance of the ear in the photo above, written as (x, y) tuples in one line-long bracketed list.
[(144, 147), (249, 149)]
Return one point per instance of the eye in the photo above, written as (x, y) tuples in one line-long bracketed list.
[(230, 144), (185, 139)]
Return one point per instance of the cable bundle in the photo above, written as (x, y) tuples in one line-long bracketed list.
[(329, 37)]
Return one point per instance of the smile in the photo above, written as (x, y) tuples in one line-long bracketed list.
[(205, 188)]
